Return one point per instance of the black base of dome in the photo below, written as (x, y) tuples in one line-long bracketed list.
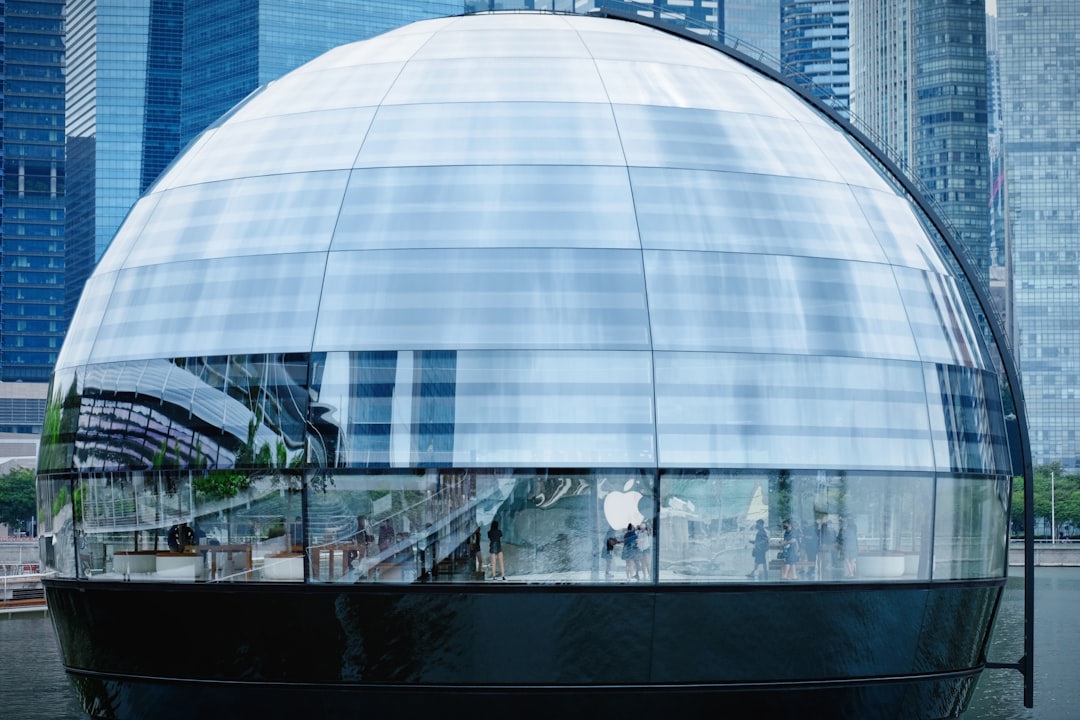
[(861, 651)]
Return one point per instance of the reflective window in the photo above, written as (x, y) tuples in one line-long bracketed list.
[(497, 298), (444, 525), (578, 134), (775, 304), (711, 140), (515, 79), (229, 218), (750, 213), (968, 512), (282, 144), (522, 206), (410, 408), (721, 410), (174, 309)]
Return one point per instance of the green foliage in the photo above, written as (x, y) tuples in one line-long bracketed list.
[(222, 484), (17, 496), (1066, 496)]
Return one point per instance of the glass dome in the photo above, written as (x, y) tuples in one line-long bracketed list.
[(516, 266)]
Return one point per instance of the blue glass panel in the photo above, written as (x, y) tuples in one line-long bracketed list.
[(493, 133), (902, 237), (469, 299), (769, 303), (327, 89), (719, 410), (248, 304), (744, 212), (508, 80), (250, 216), (501, 206), (970, 529), (966, 420), (652, 84), (942, 326), (471, 409), (711, 140), (305, 142), (79, 341)]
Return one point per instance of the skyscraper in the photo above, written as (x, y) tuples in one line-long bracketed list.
[(919, 83), (1039, 52), (814, 44), (32, 304), (145, 76)]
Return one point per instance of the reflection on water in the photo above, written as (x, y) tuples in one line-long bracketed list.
[(1000, 693), (33, 685)]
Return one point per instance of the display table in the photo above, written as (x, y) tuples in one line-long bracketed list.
[(283, 566), (177, 565), (236, 560), (128, 562)]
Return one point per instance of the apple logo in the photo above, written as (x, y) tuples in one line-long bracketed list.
[(621, 508)]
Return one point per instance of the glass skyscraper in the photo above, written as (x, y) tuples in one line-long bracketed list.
[(32, 318), (814, 44), (1039, 54), (145, 76)]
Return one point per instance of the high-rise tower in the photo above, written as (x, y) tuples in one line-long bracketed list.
[(32, 320), (1039, 54)]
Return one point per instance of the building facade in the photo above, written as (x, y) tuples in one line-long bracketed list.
[(1039, 54), (32, 317), (508, 331), (814, 46)]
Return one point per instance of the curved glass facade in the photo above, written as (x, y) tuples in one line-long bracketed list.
[(571, 275)]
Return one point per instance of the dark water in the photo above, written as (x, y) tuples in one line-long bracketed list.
[(33, 685)]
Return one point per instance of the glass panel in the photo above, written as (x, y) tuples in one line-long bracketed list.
[(126, 236), (775, 304), (656, 84), (710, 140), (79, 340), (466, 299), (749, 213), (244, 304), (446, 525), (856, 168), (323, 88), (967, 420), (405, 409), (252, 216), (720, 410), (512, 134), (902, 237), (305, 142), (939, 319), (57, 524), (509, 80), (529, 207), (787, 525), (971, 530), (523, 42), (193, 413), (58, 435)]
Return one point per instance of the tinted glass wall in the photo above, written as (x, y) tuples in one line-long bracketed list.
[(499, 274)]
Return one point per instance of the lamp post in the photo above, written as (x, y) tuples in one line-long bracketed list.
[(1053, 521)]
